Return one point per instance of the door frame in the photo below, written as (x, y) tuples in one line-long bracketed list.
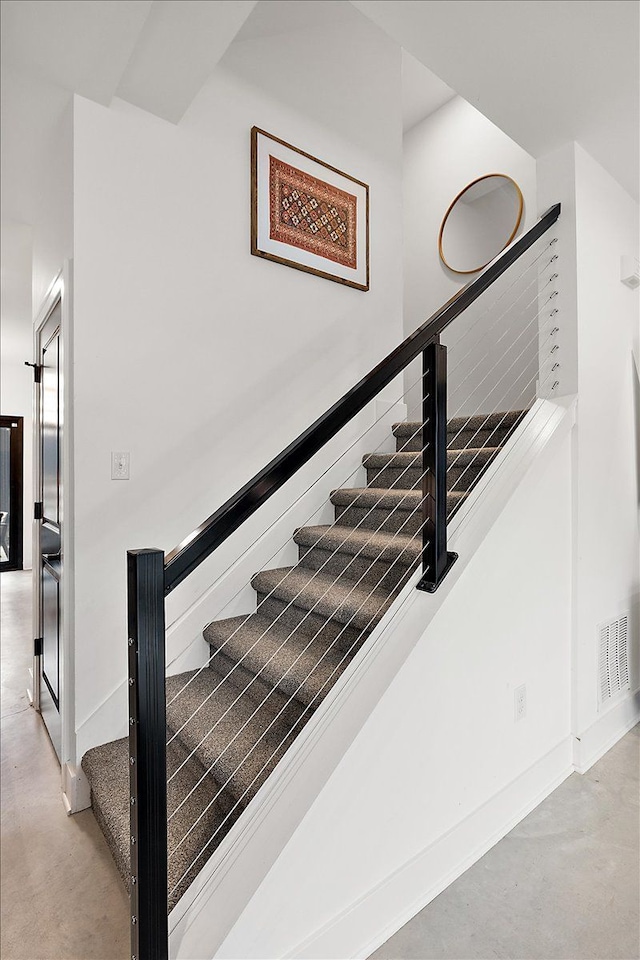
[(16, 493), (59, 292)]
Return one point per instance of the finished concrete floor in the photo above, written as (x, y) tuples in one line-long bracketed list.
[(62, 897), (563, 885)]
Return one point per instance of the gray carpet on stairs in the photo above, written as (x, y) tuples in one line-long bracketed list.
[(230, 723)]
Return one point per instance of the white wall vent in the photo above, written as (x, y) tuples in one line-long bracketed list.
[(613, 663)]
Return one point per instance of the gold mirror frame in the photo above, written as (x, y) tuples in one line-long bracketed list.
[(486, 176)]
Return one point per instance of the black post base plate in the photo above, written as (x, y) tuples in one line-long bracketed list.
[(428, 585)]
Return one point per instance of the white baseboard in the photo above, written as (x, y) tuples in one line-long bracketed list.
[(369, 922), (76, 793), (594, 742)]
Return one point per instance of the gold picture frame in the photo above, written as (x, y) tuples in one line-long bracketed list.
[(308, 214)]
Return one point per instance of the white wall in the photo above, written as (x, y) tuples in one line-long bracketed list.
[(441, 757), (16, 347), (442, 154), (202, 361), (53, 224), (607, 461), (599, 324)]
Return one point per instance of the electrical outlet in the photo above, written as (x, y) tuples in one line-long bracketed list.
[(120, 465), (520, 702)]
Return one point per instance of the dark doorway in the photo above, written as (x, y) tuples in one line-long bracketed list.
[(11, 466)]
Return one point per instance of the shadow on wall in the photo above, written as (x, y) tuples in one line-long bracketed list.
[(635, 377)]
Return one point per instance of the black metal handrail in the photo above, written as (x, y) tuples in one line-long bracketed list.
[(152, 575), (200, 544)]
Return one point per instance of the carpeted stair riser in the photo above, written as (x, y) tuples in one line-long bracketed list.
[(406, 522), (411, 479), (405, 519), (479, 431), (403, 471), (463, 477), (401, 479), (338, 598), (460, 440), (347, 639), (238, 742), (474, 437), (298, 664), (252, 683), (107, 769), (376, 573)]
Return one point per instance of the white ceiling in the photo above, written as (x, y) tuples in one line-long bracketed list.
[(544, 71), (422, 92), (560, 69), (351, 85), (158, 55), (177, 51), (81, 47)]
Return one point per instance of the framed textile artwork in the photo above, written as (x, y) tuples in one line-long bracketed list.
[(307, 214)]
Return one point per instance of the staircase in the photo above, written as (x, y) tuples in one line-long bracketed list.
[(229, 723)]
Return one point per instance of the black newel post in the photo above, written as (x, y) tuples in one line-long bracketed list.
[(436, 561), (147, 755)]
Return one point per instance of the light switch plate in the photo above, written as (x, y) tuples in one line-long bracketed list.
[(120, 465)]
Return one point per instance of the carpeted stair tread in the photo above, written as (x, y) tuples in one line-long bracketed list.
[(195, 806), (378, 545), (383, 498), (480, 421), (299, 663), (455, 457), (485, 421), (341, 599), (236, 740)]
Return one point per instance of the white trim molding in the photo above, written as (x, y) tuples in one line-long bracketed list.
[(60, 290), (604, 733)]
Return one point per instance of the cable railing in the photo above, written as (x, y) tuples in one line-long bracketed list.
[(227, 722), (273, 655), (336, 549)]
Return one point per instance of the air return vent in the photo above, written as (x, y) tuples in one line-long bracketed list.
[(613, 664)]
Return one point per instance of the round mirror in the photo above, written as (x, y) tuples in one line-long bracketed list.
[(481, 221)]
